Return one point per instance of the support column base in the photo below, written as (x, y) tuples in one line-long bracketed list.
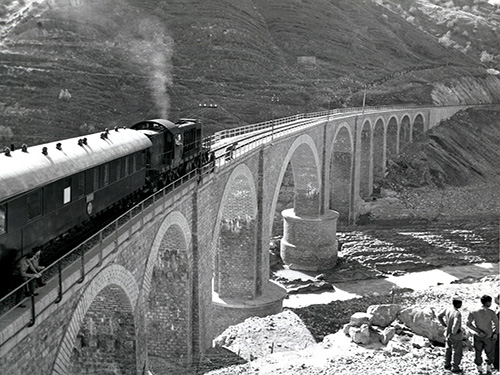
[(309, 243), (231, 311)]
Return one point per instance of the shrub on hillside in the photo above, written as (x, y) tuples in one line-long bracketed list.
[(486, 57), (6, 132), (445, 40)]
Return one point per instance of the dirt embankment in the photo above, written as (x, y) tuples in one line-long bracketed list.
[(460, 151)]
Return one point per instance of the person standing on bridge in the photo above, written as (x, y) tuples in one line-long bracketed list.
[(451, 318), (21, 275), (484, 323), (35, 266)]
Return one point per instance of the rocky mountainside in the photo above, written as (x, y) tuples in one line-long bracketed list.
[(70, 67), (460, 151)]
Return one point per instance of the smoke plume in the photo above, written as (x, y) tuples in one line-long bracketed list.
[(154, 49)]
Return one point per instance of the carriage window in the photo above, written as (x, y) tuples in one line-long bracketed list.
[(67, 190), (106, 174), (134, 163), (34, 204), (3, 216), (126, 168), (80, 184), (67, 195), (118, 169), (168, 137), (96, 178)]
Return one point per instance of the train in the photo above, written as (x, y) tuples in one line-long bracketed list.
[(50, 189)]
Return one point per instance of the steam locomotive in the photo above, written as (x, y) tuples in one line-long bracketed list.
[(49, 189)]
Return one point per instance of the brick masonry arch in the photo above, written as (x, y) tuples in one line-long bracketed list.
[(113, 275), (379, 141), (404, 131), (168, 291), (418, 125), (234, 239), (366, 159), (174, 218), (339, 171), (309, 155), (392, 137)]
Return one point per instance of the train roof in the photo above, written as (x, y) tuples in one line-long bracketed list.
[(24, 171), (157, 124), (187, 122)]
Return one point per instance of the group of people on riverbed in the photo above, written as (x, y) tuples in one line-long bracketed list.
[(483, 322)]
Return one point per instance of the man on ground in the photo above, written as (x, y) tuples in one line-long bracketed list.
[(484, 323)]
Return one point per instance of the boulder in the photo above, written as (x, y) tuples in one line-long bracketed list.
[(423, 322), (360, 335), (360, 318), (383, 315)]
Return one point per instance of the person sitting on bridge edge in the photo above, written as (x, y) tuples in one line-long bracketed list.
[(482, 321), (35, 266), (451, 318), (21, 275)]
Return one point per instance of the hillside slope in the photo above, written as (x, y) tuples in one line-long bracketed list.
[(460, 151), (71, 67)]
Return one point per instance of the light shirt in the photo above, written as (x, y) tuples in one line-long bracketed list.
[(453, 319)]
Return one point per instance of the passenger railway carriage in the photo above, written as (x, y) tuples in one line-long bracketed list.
[(49, 189)]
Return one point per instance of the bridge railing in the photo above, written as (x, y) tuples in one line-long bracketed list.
[(235, 132), (64, 266), (226, 152)]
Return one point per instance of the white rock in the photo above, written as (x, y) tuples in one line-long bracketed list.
[(360, 318), (360, 335), (423, 321)]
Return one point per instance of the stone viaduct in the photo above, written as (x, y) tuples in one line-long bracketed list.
[(167, 277)]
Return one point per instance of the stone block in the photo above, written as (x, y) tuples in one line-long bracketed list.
[(360, 318), (423, 321), (360, 335), (383, 315)]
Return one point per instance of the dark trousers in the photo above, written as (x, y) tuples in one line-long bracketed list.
[(488, 345), (22, 292), (497, 349), (453, 347)]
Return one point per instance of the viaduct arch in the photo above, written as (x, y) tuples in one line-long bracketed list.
[(191, 261), (114, 289)]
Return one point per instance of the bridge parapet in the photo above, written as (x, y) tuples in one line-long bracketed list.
[(68, 274)]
